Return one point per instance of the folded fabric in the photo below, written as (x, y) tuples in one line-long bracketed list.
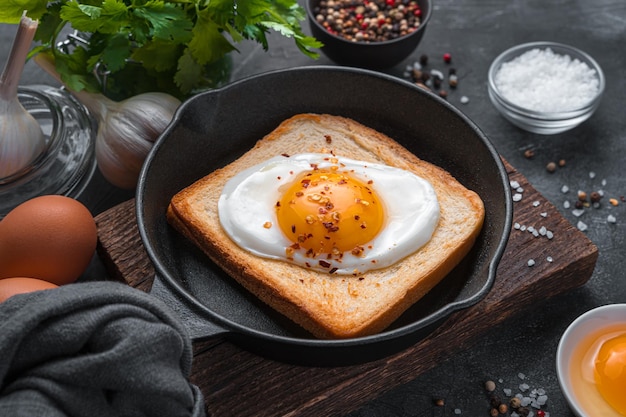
[(94, 349)]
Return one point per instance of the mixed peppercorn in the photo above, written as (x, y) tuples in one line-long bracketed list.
[(369, 20)]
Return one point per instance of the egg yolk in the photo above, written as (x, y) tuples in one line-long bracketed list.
[(330, 212), (610, 372)]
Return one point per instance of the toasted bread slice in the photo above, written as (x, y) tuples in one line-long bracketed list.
[(330, 305)]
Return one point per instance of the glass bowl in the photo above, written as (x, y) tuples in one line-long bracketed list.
[(67, 162), (580, 341), (561, 116)]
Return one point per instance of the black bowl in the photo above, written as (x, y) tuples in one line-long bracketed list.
[(371, 55), (214, 128)]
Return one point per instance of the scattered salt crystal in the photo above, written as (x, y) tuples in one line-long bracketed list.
[(543, 231), (611, 219), (603, 182), (522, 228), (592, 175), (519, 190), (464, 99), (457, 411), (581, 226), (531, 229), (514, 414), (549, 234), (507, 391), (542, 80), (526, 401), (578, 212), (531, 262), (514, 184), (542, 400), (521, 376), (516, 226), (543, 214), (564, 189), (549, 259), (517, 197), (536, 203), (566, 205)]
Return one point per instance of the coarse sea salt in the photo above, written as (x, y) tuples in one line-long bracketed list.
[(544, 81)]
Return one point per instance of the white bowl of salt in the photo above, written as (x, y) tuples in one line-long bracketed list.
[(545, 87)]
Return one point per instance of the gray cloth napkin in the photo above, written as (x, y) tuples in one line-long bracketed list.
[(94, 349)]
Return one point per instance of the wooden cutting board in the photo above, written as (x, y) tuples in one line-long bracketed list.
[(236, 382)]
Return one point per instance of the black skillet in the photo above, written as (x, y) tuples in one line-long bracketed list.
[(214, 128)]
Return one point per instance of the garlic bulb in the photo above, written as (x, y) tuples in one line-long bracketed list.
[(126, 129), (21, 137)]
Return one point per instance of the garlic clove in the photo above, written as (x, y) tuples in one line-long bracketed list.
[(21, 137)]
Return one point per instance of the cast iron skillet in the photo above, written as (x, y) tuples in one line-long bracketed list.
[(214, 128)]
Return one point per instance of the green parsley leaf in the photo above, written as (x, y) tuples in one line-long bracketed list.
[(206, 32), (12, 10), (167, 21)]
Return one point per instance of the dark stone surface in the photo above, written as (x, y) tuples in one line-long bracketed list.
[(474, 32)]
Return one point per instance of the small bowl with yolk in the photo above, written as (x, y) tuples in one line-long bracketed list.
[(591, 362)]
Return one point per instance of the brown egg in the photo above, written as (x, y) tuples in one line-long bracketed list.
[(21, 285), (49, 237)]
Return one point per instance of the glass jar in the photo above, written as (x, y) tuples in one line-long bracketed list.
[(67, 162)]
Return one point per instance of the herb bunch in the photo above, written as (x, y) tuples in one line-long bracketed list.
[(171, 46)]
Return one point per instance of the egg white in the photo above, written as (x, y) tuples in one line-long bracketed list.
[(247, 211)]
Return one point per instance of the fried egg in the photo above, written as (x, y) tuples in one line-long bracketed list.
[(329, 213)]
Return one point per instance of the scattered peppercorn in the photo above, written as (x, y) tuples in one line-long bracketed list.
[(447, 58), (439, 402), (453, 80), (551, 167), (494, 401), (595, 197), (613, 202), (529, 153), (494, 412), (561, 163), (443, 94), (582, 196), (502, 408), (424, 60), (515, 402), (523, 411), (490, 386)]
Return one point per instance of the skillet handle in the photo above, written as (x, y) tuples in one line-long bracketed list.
[(199, 326)]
